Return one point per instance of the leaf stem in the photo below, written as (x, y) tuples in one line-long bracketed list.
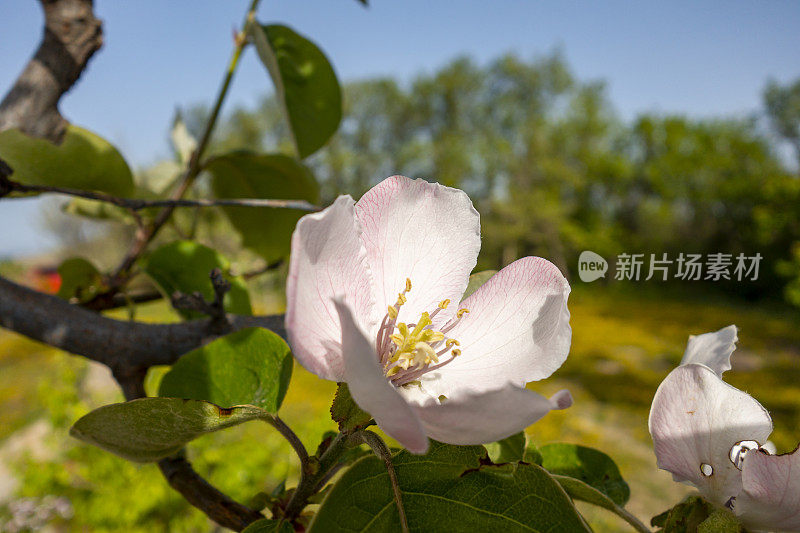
[(309, 481), (276, 422), (382, 451)]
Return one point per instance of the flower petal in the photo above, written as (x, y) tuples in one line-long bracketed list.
[(372, 391), (695, 420), (478, 418), (327, 260), (771, 492), (712, 349), (422, 231), (517, 330)]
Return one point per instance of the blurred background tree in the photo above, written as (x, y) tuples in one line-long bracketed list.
[(554, 170)]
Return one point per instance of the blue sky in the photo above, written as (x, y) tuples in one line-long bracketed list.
[(700, 58)]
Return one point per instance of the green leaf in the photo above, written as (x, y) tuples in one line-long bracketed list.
[(476, 280), (268, 525), (252, 366), (532, 454), (509, 450), (589, 465), (79, 279), (149, 429), (305, 84), (185, 266), (82, 161), (578, 490), (345, 411), (696, 515), (265, 230), (444, 491)]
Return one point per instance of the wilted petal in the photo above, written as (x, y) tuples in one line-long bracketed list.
[(370, 389), (770, 499), (712, 349), (695, 420), (422, 231), (470, 418), (517, 330), (328, 259)]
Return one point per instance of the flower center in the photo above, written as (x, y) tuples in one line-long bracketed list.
[(408, 351)]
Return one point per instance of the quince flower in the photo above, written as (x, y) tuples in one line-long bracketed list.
[(372, 300), (714, 436)]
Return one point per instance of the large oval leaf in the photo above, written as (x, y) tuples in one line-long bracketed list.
[(82, 161), (251, 366), (185, 266), (265, 230), (305, 84), (591, 466), (447, 490), (149, 429)]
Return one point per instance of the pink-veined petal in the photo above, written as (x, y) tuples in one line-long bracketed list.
[(478, 418), (712, 349), (770, 498), (695, 420), (422, 231), (328, 259), (517, 330), (372, 391)]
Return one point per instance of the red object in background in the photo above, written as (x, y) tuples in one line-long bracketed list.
[(46, 279)]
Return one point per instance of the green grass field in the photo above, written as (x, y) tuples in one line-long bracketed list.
[(624, 344)]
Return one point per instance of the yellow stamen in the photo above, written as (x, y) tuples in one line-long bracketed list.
[(408, 284), (401, 299), (462, 312), (456, 352), (451, 342), (397, 339), (444, 303), (392, 312)]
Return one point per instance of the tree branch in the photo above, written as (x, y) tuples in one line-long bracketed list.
[(197, 491), (72, 35), (125, 347)]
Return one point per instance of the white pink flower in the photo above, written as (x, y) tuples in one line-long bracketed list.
[(714, 436), (373, 300)]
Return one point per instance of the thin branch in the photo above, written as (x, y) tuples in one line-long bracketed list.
[(218, 506), (382, 451), (194, 165), (310, 480), (276, 422), (250, 274), (137, 204)]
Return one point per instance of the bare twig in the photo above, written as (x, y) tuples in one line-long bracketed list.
[(382, 451), (135, 204), (72, 34)]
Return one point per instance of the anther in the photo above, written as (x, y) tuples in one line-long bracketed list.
[(408, 284), (444, 303), (462, 312)]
